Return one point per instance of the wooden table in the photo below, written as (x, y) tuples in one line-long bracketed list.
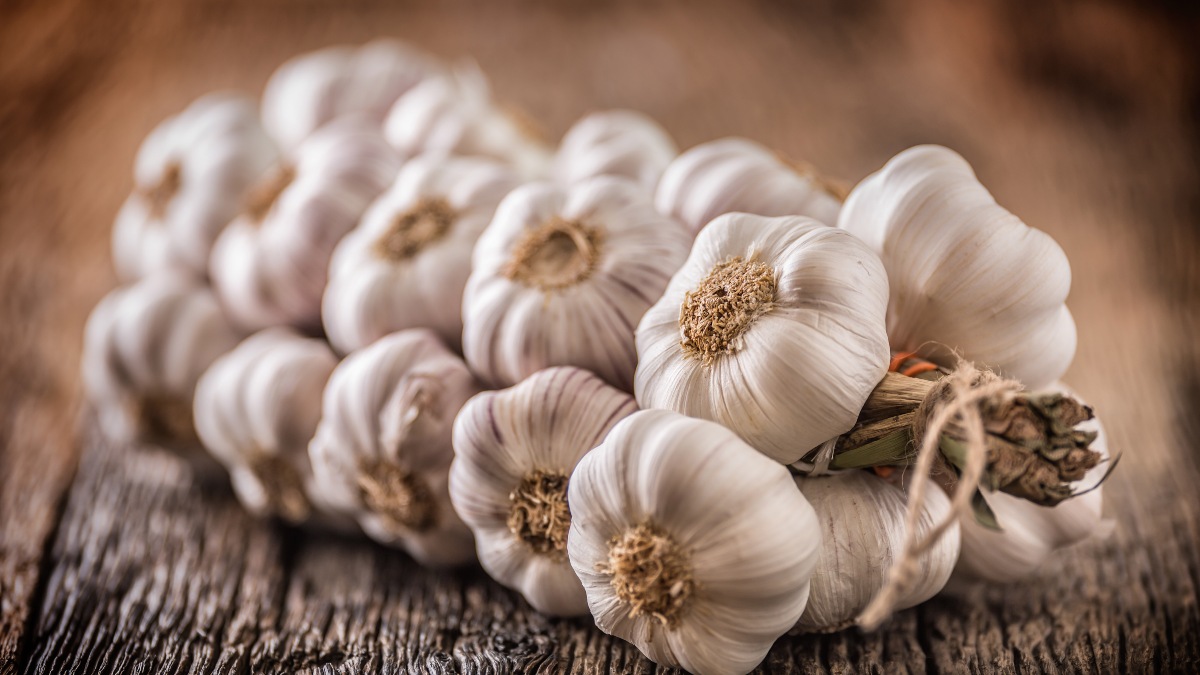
[(1081, 117)]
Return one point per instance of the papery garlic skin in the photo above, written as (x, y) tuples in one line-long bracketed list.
[(1030, 533), (312, 89), (968, 278), (145, 347), (455, 114), (270, 265), (382, 451), (621, 143), (742, 540), (575, 298), (738, 175), (406, 264), (190, 177), (502, 439), (256, 410), (795, 370), (862, 534)]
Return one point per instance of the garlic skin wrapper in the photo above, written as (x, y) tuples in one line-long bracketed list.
[(738, 175), (514, 452), (455, 114), (732, 540), (1031, 533), (621, 143), (256, 410), (190, 177), (145, 347), (562, 276), (406, 264), (270, 265), (773, 327), (862, 534), (313, 89), (382, 451), (966, 275)]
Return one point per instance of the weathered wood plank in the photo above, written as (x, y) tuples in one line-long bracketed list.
[(1080, 116)]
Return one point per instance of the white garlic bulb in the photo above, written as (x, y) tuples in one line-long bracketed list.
[(862, 534), (514, 453), (1031, 533), (614, 143), (190, 177), (967, 277), (382, 451), (690, 544), (312, 89), (145, 347), (737, 175), (256, 410), (455, 114), (773, 327), (407, 262), (270, 265), (561, 277)]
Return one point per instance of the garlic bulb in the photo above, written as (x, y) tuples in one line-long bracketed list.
[(313, 89), (614, 143), (862, 534), (773, 327), (269, 266), (145, 347), (514, 453), (1031, 533), (561, 277), (382, 451), (737, 175), (190, 177), (455, 114), (256, 410), (967, 276), (690, 544), (407, 262)]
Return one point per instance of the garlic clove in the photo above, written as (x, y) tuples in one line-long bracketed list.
[(968, 278), (1030, 533), (561, 277), (406, 264), (514, 452), (787, 360), (256, 409), (622, 143), (270, 266), (145, 347), (313, 89), (733, 540), (862, 520), (455, 114), (190, 175), (382, 450), (738, 175)]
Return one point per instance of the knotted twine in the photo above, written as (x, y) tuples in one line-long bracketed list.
[(954, 399)]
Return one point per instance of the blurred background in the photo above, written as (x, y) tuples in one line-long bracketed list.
[(1082, 117)]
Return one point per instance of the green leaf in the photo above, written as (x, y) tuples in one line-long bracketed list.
[(983, 513), (895, 448)]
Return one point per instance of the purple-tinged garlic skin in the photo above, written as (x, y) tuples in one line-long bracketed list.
[(406, 263), (190, 177), (145, 347), (515, 450), (736, 175), (968, 279), (561, 278), (382, 450)]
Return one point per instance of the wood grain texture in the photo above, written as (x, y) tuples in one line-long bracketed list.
[(1080, 116)]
